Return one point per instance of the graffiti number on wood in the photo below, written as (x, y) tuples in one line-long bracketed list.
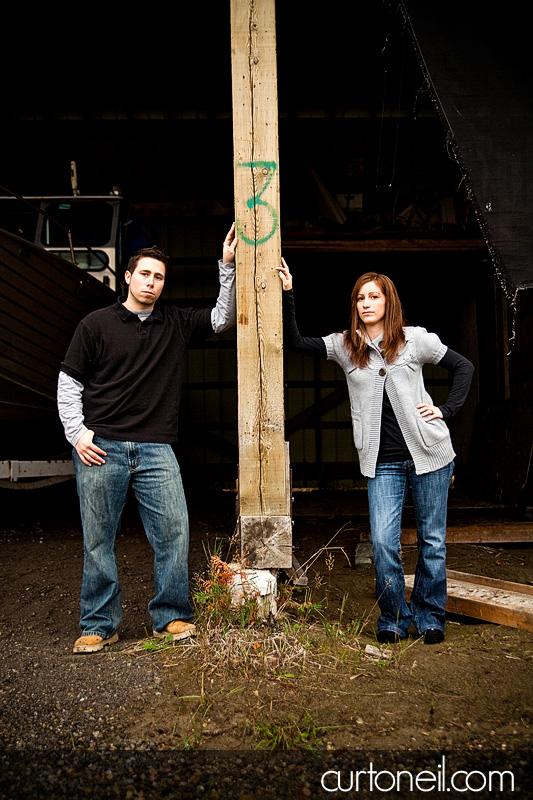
[(268, 169)]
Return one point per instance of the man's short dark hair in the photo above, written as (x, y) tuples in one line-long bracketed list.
[(147, 252)]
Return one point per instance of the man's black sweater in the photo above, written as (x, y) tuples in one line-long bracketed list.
[(132, 370)]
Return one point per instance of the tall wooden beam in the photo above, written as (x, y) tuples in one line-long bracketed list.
[(264, 485)]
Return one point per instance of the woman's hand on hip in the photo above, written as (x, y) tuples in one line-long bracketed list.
[(429, 412)]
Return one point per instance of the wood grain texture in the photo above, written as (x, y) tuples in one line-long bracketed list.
[(495, 533), (263, 481), (266, 542), (488, 599)]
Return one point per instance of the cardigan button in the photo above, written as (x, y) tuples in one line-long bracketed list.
[(382, 371)]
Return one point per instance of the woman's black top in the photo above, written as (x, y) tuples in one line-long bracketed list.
[(392, 445)]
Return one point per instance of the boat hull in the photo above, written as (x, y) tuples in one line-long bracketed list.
[(43, 298)]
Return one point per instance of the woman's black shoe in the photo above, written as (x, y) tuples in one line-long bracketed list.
[(433, 636), (389, 637)]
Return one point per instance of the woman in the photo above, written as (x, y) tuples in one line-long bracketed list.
[(402, 441)]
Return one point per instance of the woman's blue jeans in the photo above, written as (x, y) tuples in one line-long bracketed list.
[(154, 475), (386, 497)]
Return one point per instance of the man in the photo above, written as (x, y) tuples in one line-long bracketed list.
[(118, 398)]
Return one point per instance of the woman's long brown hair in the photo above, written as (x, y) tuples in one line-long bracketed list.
[(393, 323)]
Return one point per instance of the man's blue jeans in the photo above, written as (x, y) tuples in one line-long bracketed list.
[(154, 475), (386, 498)]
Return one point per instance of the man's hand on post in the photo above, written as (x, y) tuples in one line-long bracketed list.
[(228, 248)]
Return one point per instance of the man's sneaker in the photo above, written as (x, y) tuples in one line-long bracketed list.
[(178, 629), (433, 636), (92, 643), (389, 637)]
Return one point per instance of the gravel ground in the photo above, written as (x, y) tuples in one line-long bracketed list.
[(71, 725), (246, 776)]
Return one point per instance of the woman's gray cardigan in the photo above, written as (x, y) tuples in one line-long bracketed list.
[(429, 442)]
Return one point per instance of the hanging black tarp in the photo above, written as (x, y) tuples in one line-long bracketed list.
[(477, 64)]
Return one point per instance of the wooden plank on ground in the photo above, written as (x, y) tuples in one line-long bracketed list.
[(264, 489), (488, 599), (493, 583), (494, 533)]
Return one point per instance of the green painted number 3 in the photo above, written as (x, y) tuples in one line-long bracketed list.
[(268, 168)]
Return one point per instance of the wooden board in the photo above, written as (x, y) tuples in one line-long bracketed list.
[(415, 242), (263, 476), (489, 599), (496, 533)]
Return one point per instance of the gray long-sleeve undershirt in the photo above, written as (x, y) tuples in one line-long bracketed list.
[(70, 391)]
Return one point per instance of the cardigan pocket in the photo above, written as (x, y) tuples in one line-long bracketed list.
[(404, 360), (357, 429), (432, 432)]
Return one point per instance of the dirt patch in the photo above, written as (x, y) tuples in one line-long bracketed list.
[(473, 692)]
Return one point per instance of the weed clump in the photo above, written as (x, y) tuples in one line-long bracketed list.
[(212, 594), (216, 601)]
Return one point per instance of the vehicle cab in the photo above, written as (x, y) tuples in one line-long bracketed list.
[(95, 226), (96, 233)]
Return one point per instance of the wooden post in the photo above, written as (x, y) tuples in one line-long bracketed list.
[(264, 484)]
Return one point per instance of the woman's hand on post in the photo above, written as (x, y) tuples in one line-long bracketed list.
[(88, 452), (285, 275), (429, 412), (228, 248)]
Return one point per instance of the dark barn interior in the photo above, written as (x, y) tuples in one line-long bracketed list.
[(377, 171)]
